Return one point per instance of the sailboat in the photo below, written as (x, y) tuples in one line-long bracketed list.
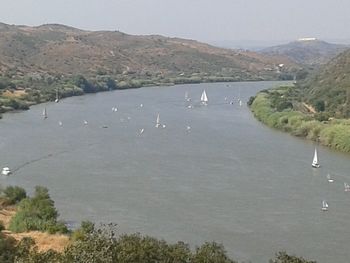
[(57, 99), (44, 113), (324, 205), (346, 187), (187, 98), (315, 163), (204, 98), (330, 180), (158, 121), (239, 97)]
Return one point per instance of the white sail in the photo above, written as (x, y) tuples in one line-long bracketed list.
[(346, 187), (44, 113), (57, 98), (315, 160), (158, 121), (324, 205), (204, 98)]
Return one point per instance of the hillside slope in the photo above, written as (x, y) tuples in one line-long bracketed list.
[(58, 49), (307, 51), (331, 86)]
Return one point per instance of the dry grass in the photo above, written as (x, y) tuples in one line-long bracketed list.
[(6, 214), (43, 241), (13, 94)]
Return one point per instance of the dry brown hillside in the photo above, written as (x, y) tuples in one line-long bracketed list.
[(58, 49)]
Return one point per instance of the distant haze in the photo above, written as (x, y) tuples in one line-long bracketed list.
[(259, 21)]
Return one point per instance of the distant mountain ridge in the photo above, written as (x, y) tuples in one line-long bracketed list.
[(58, 49), (307, 51)]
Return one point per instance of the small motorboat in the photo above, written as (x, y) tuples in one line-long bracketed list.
[(6, 171)]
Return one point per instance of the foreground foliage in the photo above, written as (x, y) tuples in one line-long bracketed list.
[(103, 245), (14, 194), (37, 213), (283, 257)]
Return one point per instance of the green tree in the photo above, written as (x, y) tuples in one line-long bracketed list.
[(14, 194), (37, 213), (320, 105), (111, 84), (283, 257), (211, 253)]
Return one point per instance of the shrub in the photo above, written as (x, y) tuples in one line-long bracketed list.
[(86, 228), (251, 100), (211, 252), (7, 249), (14, 194), (283, 257), (37, 213)]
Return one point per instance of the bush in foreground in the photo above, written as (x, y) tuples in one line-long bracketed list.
[(104, 246), (37, 213), (14, 194)]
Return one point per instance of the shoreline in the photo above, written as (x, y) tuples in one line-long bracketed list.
[(28, 104), (332, 133)]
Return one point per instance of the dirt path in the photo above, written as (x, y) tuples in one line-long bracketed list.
[(309, 107)]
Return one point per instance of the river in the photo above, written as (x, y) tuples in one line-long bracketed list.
[(227, 178)]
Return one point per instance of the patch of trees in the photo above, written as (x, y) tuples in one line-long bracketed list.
[(35, 213), (104, 245)]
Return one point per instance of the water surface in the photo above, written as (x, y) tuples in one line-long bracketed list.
[(229, 179)]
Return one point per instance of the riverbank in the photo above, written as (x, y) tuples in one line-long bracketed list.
[(21, 94), (273, 108)]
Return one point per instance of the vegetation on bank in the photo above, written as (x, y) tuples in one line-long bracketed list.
[(283, 109), (21, 93), (99, 245)]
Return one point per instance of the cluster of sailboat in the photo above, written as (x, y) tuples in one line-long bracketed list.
[(204, 101), (315, 164)]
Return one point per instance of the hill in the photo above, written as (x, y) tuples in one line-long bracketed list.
[(61, 50), (329, 88), (317, 108), (306, 51)]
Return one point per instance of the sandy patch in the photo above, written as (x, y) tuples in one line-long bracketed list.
[(13, 94), (43, 241)]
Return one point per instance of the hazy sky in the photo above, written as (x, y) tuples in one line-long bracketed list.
[(205, 20)]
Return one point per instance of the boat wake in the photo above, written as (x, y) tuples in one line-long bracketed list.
[(38, 160)]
